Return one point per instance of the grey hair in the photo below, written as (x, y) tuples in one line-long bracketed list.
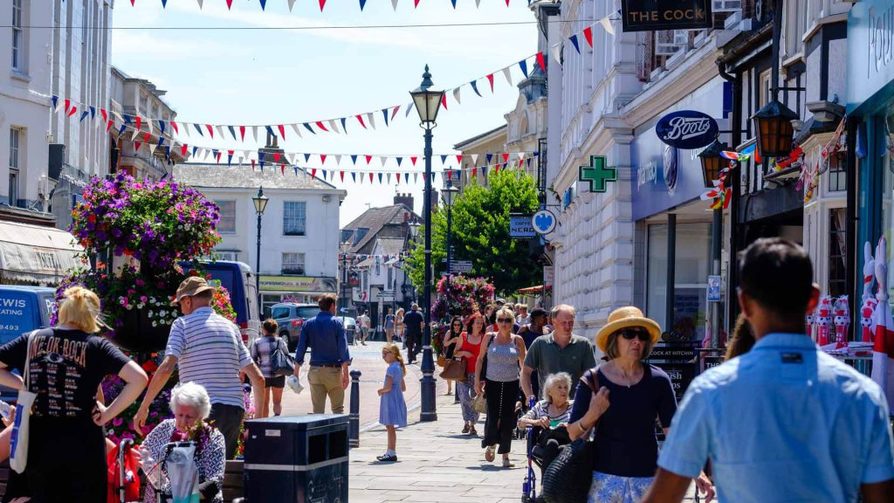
[(563, 307), (552, 380), (193, 395)]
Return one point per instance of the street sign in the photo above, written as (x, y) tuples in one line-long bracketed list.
[(597, 174), (460, 266), (520, 227), (656, 15), (687, 129), (385, 294), (543, 222)]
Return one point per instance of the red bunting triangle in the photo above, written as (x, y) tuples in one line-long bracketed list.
[(176, 128), (505, 157), (67, 104), (276, 157), (217, 156), (322, 159), (444, 101), (242, 132), (322, 4), (137, 145), (183, 149), (541, 61), (415, 3), (321, 126), (449, 174), (370, 176), (459, 159), (394, 111), (109, 125), (229, 4), (252, 164), (139, 123), (342, 175), (282, 169), (207, 126), (490, 78), (132, 1), (496, 169), (72, 110), (105, 115), (474, 172), (413, 160), (398, 176), (368, 158), (588, 36), (313, 172), (282, 131), (359, 118)]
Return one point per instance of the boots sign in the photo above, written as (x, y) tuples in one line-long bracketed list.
[(654, 15), (687, 129)]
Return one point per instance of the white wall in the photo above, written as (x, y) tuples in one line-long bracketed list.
[(319, 244), (24, 98)]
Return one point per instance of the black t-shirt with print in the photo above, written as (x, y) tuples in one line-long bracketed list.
[(67, 367)]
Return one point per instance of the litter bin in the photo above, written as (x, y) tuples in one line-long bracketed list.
[(297, 459)]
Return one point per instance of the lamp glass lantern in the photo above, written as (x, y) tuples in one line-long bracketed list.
[(773, 124), (449, 194), (712, 161), (260, 201), (427, 101)]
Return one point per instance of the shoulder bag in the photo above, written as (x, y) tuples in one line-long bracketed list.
[(569, 477), (18, 444), (281, 362)]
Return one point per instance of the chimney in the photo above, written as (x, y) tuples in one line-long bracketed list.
[(404, 199)]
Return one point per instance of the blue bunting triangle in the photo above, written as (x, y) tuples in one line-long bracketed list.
[(194, 150), (93, 113), (354, 176), (573, 39), (523, 64), (84, 115), (270, 131), (385, 114), (261, 156), (443, 159), (354, 160), (307, 126), (306, 157), (362, 4), (474, 85), (161, 140), (233, 132), (198, 129), (380, 178), (55, 102), (263, 4), (489, 157), (344, 124), (399, 160), (295, 169), (162, 125)]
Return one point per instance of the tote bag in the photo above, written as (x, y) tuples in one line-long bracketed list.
[(282, 362), (18, 443)]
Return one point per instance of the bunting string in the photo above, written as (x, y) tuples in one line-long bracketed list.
[(291, 3)]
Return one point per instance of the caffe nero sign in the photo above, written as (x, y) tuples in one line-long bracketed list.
[(687, 129), (652, 15)]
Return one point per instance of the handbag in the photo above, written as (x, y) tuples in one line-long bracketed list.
[(455, 369), (442, 361), (18, 443), (568, 478), (479, 403), (282, 362)]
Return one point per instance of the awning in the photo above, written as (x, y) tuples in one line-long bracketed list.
[(36, 254), (534, 290)]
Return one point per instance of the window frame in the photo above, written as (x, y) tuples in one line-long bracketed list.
[(220, 206), (15, 165), (300, 221), (17, 56), (297, 267)]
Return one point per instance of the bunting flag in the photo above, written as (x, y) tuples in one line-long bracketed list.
[(588, 36), (474, 85), (541, 62), (573, 39), (321, 3), (523, 64), (490, 79)]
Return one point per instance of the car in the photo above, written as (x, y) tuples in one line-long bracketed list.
[(291, 317)]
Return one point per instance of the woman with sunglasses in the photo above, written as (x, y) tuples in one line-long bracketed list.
[(454, 333), (468, 347), (621, 399), (505, 355)]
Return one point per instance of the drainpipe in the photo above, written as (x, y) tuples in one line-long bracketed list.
[(735, 176)]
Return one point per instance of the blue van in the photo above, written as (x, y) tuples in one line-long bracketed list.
[(23, 309), (238, 279)]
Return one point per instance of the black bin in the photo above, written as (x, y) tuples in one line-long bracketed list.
[(297, 459)]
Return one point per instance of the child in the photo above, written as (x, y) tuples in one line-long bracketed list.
[(392, 407)]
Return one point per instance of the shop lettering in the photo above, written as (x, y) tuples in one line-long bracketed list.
[(647, 174), (683, 128), (668, 15), (881, 40), (18, 303)]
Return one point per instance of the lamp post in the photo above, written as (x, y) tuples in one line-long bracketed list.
[(449, 192), (427, 102), (712, 162), (260, 201)]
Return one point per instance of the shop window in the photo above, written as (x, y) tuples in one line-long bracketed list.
[(837, 252), (227, 224), (292, 263), (837, 175), (293, 218)]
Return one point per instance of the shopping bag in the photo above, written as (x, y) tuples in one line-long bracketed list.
[(479, 403), (183, 473), (18, 442)]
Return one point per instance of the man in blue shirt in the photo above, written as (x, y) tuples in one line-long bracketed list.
[(785, 421), (329, 358)]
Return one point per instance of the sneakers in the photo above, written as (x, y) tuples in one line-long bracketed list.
[(489, 454), (387, 458)]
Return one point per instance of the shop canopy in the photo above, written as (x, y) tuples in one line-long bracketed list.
[(36, 254)]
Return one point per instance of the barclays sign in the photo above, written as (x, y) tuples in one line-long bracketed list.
[(687, 129)]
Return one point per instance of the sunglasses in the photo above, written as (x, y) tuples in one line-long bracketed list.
[(636, 334), (505, 320)]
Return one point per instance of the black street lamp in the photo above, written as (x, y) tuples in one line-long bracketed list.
[(427, 102), (260, 201), (448, 193)]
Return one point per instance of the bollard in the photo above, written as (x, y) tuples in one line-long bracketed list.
[(354, 416)]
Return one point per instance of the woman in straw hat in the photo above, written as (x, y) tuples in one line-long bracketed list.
[(620, 400)]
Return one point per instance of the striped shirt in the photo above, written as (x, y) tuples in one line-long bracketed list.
[(263, 348), (209, 351)]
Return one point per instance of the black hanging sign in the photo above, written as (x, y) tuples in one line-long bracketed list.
[(654, 15)]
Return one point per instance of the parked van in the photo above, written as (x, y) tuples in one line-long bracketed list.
[(239, 280), (23, 309)]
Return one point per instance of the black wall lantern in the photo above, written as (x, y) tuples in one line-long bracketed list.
[(773, 124), (712, 161)]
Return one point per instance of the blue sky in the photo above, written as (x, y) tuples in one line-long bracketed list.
[(283, 76)]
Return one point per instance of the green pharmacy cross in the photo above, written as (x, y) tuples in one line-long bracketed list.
[(597, 174)]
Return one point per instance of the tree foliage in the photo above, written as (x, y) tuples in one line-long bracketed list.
[(480, 233)]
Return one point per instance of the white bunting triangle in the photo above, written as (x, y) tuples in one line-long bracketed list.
[(333, 126), (394, 4), (371, 119), (200, 3), (415, 177), (477, 3), (185, 127), (383, 159), (474, 159), (556, 52), (508, 75), (456, 95), (220, 132), (291, 4), (337, 159), (607, 25), (254, 131), (152, 148), (296, 130)]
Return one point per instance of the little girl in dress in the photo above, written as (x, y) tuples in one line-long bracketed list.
[(392, 407)]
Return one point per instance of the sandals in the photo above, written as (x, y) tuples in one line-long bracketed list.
[(473, 432), (466, 428), (489, 453), (507, 463)]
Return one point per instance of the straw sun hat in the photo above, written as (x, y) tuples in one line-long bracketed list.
[(626, 317)]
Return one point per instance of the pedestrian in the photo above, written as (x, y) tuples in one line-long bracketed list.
[(399, 324), (559, 351), (451, 336), (490, 316), (364, 322), (389, 326), (505, 354), (414, 322), (467, 347), (535, 327), (325, 336), (66, 445), (207, 349), (622, 398), (191, 406), (549, 418), (392, 406), (784, 421), (742, 340), (262, 350), (522, 317)]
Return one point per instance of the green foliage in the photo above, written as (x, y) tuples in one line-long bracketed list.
[(480, 233)]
